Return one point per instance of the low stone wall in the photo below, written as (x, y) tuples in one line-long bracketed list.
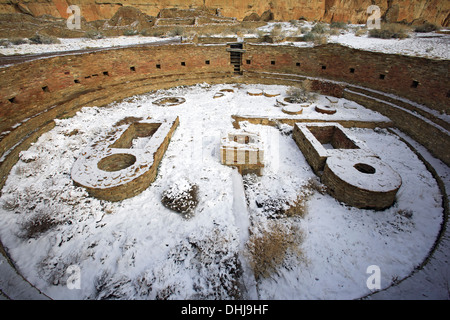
[(270, 121), (36, 92), (422, 80), (433, 136), (311, 137)]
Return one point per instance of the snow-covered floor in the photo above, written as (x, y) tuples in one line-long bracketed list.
[(138, 249)]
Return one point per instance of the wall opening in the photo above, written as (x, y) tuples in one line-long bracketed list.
[(12, 100), (236, 56), (105, 73), (352, 70), (183, 63), (76, 81), (158, 66), (415, 84), (382, 76), (45, 89), (248, 61), (207, 62), (133, 68), (272, 62), (298, 64), (364, 168), (116, 162)]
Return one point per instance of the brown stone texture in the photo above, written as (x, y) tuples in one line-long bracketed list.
[(122, 190), (345, 190), (244, 151), (435, 11), (36, 92), (310, 138)]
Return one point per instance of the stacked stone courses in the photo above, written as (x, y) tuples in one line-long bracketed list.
[(38, 91)]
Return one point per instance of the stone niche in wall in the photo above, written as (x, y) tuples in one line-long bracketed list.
[(352, 174), (123, 163)]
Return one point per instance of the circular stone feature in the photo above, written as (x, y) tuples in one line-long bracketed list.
[(218, 95), (280, 104), (270, 93), (348, 105), (361, 181), (332, 100), (255, 92), (292, 109), (326, 109), (292, 100), (365, 168), (116, 162), (169, 101)]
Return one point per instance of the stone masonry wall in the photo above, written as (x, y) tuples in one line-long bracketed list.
[(422, 80), (36, 92)]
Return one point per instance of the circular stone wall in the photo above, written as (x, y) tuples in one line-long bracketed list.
[(361, 181), (93, 80), (116, 162)]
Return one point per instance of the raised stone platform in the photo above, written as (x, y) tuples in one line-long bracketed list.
[(243, 150), (352, 174), (319, 141), (119, 166), (361, 181)]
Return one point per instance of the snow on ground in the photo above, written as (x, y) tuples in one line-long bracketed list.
[(138, 249), (69, 44), (430, 45), (427, 45)]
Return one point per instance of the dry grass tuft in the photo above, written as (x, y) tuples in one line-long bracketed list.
[(182, 199), (299, 207), (268, 249), (39, 224), (390, 31), (302, 93)]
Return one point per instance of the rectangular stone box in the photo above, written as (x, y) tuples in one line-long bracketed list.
[(243, 150), (318, 141)]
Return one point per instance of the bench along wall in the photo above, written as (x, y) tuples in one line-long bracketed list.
[(36, 92), (421, 80)]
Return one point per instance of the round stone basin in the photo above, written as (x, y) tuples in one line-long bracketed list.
[(116, 162)]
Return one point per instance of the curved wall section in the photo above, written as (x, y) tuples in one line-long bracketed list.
[(36, 92), (421, 80)]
